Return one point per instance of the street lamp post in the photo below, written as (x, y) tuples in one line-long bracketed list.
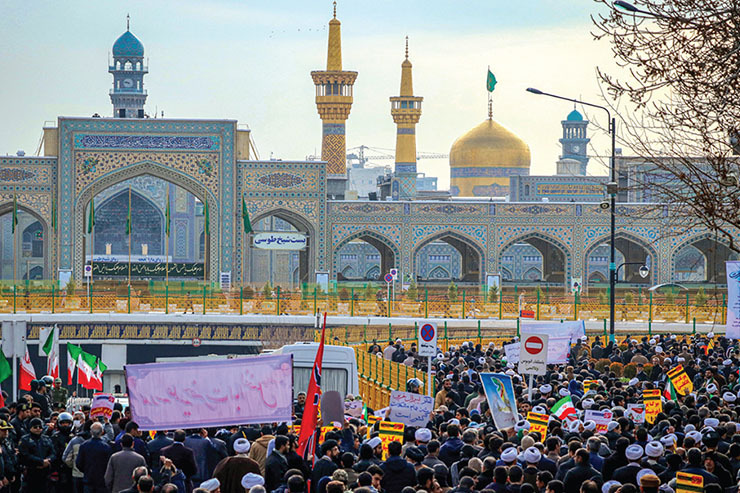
[(611, 189)]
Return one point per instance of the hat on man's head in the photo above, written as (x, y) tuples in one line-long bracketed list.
[(509, 455), (695, 435), (648, 479), (729, 397), (654, 449), (713, 422), (546, 389), (668, 440), (423, 435), (522, 425), (589, 425), (532, 455), (633, 452), (250, 480), (608, 486), (242, 446), (211, 485), (374, 442)]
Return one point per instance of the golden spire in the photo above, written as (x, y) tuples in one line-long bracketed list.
[(407, 86), (334, 55)]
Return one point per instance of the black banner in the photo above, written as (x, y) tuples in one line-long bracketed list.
[(152, 269)]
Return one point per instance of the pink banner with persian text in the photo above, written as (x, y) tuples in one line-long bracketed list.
[(193, 394)]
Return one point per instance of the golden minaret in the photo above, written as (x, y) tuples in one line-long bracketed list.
[(334, 102), (406, 112)]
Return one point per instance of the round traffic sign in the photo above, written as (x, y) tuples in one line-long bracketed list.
[(534, 345), (196, 342), (388, 278), (427, 332)]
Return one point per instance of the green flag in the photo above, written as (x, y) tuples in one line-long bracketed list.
[(49, 343), (245, 218), (91, 216), (167, 217), (5, 369), (206, 223), (491, 82), (54, 213), (14, 220)]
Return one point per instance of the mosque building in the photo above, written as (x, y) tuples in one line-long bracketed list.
[(136, 198)]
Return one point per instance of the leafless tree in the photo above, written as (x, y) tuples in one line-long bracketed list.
[(681, 83)]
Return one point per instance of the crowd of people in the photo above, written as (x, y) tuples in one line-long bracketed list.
[(47, 448)]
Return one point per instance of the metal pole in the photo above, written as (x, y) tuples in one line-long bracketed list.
[(529, 390), (612, 243), (15, 365), (130, 230), (429, 376)]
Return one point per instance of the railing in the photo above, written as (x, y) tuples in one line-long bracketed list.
[(367, 302)]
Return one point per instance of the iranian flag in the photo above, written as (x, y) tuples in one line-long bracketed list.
[(86, 365), (563, 408), (51, 349), (100, 367), (27, 372), (73, 355)]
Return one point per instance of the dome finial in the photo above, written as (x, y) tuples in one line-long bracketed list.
[(407, 47), (335, 9), (128, 22)]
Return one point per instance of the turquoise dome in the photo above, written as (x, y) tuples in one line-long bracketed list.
[(574, 116), (128, 45)]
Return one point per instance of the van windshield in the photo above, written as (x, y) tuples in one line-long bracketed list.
[(331, 379)]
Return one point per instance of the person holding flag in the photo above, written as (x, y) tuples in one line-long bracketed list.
[(306, 440)]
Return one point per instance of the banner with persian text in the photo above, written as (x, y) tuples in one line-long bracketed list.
[(733, 299), (193, 394)]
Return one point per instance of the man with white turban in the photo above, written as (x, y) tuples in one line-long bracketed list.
[(231, 470)]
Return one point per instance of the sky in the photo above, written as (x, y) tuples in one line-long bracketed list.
[(251, 61)]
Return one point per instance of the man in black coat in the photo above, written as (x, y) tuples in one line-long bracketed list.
[(36, 453), (581, 472), (92, 461), (182, 457), (276, 464), (326, 465), (397, 472)]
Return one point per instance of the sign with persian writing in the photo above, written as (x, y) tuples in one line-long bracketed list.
[(410, 409), (280, 241), (194, 394), (102, 405)]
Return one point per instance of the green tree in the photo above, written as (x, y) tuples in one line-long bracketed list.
[(370, 292), (670, 298), (629, 298), (602, 298), (413, 292), (701, 297), (344, 294), (452, 292), (492, 294), (71, 287), (267, 291)]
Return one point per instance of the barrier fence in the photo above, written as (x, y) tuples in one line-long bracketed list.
[(369, 301)]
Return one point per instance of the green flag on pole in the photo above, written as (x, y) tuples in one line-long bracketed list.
[(91, 216), (491, 82), (245, 218), (206, 220), (5, 369), (14, 220), (167, 217), (128, 219)]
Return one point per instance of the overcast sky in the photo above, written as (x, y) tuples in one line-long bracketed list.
[(251, 61)]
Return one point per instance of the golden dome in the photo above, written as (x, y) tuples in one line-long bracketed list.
[(482, 160)]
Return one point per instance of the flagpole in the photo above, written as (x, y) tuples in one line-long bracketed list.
[(129, 235), (92, 238), (167, 248), (13, 219), (490, 100)]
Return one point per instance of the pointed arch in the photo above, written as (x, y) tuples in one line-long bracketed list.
[(557, 257), (625, 243), (473, 254), (715, 250), (389, 252), (170, 175), (7, 208)]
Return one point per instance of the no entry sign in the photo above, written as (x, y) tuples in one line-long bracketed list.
[(533, 356), (427, 339), (534, 345), (388, 278)]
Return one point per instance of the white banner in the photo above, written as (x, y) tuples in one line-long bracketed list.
[(533, 354), (410, 409), (733, 299), (573, 329), (557, 350), (601, 418), (280, 241)]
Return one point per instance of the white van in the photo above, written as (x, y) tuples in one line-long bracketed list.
[(339, 368)]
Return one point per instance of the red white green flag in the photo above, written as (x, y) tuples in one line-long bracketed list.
[(27, 372), (563, 408), (73, 355), (86, 370)]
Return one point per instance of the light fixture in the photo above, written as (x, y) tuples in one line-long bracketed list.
[(644, 271)]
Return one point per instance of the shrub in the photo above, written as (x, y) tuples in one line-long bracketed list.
[(452, 292), (267, 291), (630, 370), (71, 287), (344, 294), (370, 292), (248, 293), (701, 297), (603, 298), (670, 298), (412, 293), (629, 298), (602, 365), (617, 368)]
